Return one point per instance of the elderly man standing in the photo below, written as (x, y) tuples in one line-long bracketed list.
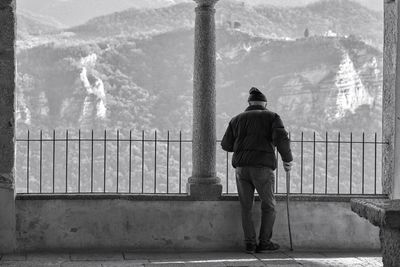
[(252, 136)]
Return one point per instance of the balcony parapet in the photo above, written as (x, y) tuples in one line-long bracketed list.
[(380, 212), (185, 197), (179, 222)]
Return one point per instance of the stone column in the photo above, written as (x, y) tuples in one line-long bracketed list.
[(203, 184), (7, 125), (391, 100)]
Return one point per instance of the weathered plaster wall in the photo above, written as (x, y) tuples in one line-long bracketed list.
[(7, 100), (395, 183), (181, 224), (390, 81)]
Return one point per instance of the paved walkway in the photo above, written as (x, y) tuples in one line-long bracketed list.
[(136, 259)]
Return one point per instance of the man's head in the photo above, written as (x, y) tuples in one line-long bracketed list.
[(256, 97)]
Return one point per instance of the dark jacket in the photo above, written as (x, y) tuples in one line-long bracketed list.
[(252, 136)]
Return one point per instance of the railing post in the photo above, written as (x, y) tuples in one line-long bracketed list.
[(338, 164), (203, 184), (351, 162), (40, 160), (130, 161), (155, 162), (313, 182), (66, 161), (27, 163), (54, 160), (104, 160), (91, 163), (180, 162), (168, 162), (301, 162), (326, 162), (142, 161), (117, 161), (227, 172), (277, 171), (362, 164), (79, 161)]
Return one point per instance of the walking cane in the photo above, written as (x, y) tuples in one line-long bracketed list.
[(287, 207)]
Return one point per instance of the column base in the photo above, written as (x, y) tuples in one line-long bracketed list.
[(390, 243), (204, 188), (7, 220)]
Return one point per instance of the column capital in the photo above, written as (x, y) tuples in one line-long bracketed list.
[(206, 3)]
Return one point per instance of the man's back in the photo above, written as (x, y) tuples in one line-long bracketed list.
[(252, 135)]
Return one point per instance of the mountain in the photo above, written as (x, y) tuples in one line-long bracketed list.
[(326, 17), (340, 17), (114, 72), (136, 66), (75, 12), (30, 24), (371, 4), (136, 22), (316, 83)]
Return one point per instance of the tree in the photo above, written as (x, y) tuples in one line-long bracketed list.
[(236, 25), (306, 33)]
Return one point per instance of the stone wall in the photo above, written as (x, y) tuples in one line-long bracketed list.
[(391, 80), (161, 224), (7, 124)]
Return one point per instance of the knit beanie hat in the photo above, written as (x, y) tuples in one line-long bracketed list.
[(256, 95)]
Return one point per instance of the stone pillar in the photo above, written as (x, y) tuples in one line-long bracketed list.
[(203, 184), (391, 100), (7, 125)]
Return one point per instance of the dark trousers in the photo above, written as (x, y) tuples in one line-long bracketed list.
[(262, 179)]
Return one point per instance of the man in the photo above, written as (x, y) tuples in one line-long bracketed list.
[(252, 136)]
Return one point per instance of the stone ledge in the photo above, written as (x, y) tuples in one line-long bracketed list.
[(185, 197), (380, 212), (313, 197)]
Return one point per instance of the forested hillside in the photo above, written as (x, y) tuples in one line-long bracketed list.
[(133, 70)]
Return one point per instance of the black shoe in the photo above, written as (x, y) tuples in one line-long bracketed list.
[(264, 246), (251, 248)]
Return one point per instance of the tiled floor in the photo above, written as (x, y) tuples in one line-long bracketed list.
[(280, 258)]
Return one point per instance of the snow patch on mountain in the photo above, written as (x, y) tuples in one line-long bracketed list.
[(373, 64), (351, 91), (236, 52), (23, 113), (94, 103)]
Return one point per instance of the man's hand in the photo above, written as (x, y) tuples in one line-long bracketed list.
[(287, 166)]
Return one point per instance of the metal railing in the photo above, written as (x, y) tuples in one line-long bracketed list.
[(344, 165), (116, 162)]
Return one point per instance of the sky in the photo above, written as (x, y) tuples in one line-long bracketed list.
[(74, 12), (376, 5)]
